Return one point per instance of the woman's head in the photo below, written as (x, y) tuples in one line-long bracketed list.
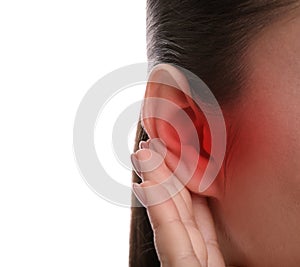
[(248, 53), (210, 38)]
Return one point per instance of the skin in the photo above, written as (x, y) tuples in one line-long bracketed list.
[(258, 217), (253, 218)]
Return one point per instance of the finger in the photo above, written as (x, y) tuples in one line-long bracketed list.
[(181, 202), (188, 166), (206, 226), (164, 178), (143, 144), (171, 238), (147, 163)]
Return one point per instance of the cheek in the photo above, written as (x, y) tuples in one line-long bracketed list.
[(267, 141), (263, 182)]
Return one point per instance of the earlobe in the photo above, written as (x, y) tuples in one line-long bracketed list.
[(170, 114)]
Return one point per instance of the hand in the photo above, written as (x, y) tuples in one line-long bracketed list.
[(184, 233)]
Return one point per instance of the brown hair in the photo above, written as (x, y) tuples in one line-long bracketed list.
[(209, 38)]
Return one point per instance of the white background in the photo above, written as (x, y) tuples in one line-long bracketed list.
[(51, 53)]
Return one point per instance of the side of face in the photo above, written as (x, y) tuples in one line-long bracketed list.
[(258, 218)]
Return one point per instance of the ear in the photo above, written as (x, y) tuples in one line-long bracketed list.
[(170, 114)]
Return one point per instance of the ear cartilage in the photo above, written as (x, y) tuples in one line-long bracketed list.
[(159, 146)]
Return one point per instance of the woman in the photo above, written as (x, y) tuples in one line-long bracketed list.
[(248, 53)]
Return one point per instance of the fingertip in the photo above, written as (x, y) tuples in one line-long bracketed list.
[(143, 154), (143, 145), (136, 164)]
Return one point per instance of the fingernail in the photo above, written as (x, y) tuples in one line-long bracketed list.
[(139, 193), (143, 144), (136, 165)]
